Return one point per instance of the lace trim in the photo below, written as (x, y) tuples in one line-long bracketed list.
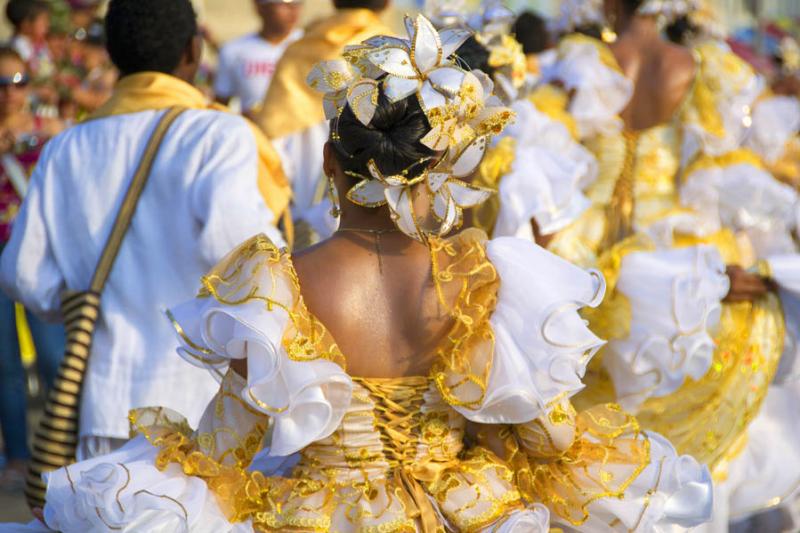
[(608, 452), (464, 359)]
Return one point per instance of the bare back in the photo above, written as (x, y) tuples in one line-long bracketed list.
[(384, 316), (662, 74)]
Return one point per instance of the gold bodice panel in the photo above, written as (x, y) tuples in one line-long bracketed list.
[(636, 185), (391, 424), (649, 159)]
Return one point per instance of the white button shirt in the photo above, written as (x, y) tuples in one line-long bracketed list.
[(200, 201)]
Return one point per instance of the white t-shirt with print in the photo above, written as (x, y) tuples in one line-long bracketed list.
[(246, 66)]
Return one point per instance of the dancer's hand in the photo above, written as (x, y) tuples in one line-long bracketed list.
[(745, 286)]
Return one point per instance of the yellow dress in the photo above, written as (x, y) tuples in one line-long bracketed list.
[(700, 386), (350, 454)]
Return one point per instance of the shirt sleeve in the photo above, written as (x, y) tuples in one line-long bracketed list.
[(225, 198), (29, 272), (225, 81)]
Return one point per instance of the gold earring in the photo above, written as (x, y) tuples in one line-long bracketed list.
[(336, 210)]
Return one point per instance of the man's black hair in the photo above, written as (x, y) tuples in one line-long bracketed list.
[(374, 5), (149, 35), (531, 31), (18, 11)]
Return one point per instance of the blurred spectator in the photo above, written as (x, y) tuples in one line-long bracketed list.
[(97, 75), (292, 115), (531, 31), (83, 13), (30, 20), (246, 64), (22, 136), (211, 164)]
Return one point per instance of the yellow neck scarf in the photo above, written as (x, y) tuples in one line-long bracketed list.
[(152, 90), (291, 105)]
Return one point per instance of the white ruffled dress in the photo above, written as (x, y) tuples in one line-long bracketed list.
[(547, 177), (389, 455)]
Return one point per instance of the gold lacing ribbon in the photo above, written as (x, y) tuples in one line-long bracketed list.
[(620, 210), (398, 416)]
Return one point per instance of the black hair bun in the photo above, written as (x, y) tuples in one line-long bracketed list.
[(392, 138)]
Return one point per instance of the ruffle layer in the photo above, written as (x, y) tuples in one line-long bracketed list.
[(597, 471), (601, 91), (775, 120), (547, 178), (674, 298), (744, 197), (125, 491), (785, 270), (251, 308), (542, 344), (767, 471), (717, 114), (508, 355)]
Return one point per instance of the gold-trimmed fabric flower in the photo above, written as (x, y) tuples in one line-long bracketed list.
[(394, 191), (422, 65), (342, 84), (450, 193)]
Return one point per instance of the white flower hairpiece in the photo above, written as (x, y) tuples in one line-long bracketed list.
[(446, 13), (699, 12), (670, 10), (459, 105), (575, 14)]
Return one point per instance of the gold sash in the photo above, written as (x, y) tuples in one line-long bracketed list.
[(153, 90)]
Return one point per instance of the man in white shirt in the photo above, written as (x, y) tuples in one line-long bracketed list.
[(202, 198), (246, 64)]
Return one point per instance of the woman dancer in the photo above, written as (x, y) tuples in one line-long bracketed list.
[(409, 374)]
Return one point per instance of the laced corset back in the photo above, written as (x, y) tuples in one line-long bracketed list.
[(392, 425)]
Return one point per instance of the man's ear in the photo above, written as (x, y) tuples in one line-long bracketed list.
[(194, 50)]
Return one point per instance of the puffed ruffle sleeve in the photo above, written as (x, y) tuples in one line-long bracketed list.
[(250, 307), (674, 299), (587, 68), (519, 343), (717, 114), (776, 119), (597, 471), (547, 178)]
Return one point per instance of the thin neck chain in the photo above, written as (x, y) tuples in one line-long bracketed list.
[(378, 234), (369, 230)]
